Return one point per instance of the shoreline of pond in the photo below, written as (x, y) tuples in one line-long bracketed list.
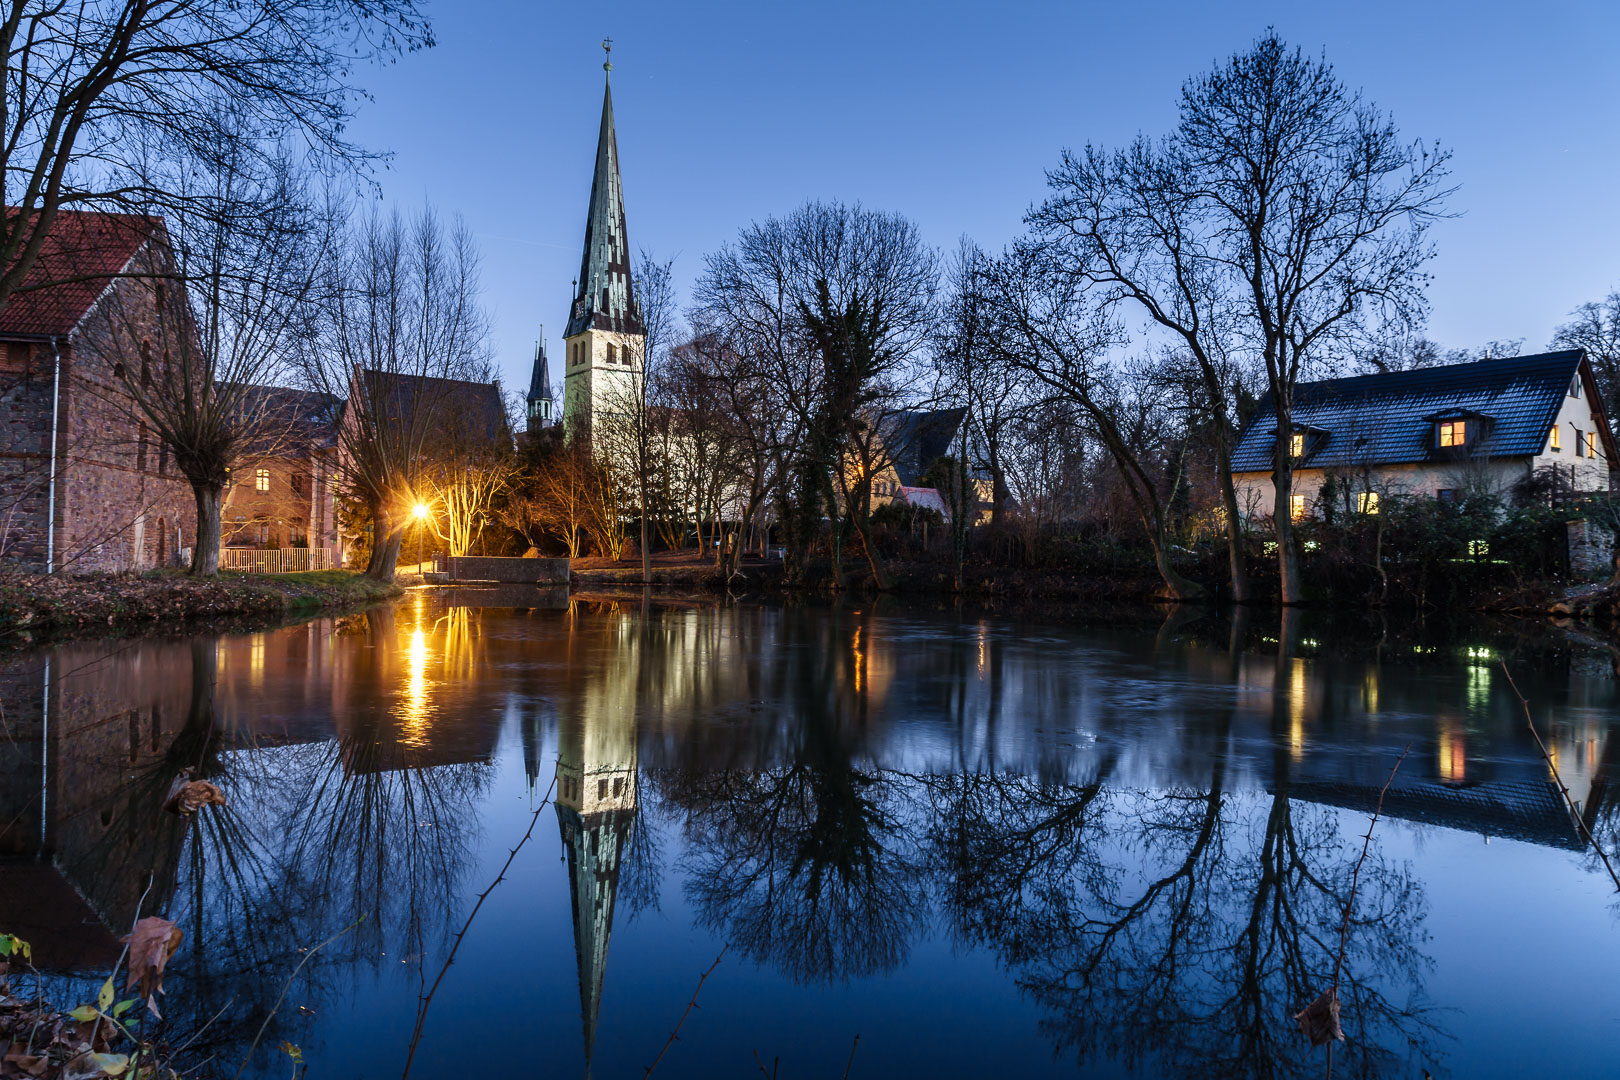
[(39, 609)]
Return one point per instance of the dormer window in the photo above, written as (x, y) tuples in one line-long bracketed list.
[(1296, 445), (1453, 433)]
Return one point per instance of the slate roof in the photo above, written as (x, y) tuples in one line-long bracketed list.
[(298, 421), (1388, 418), (76, 263), (471, 410), (540, 376), (916, 439), (606, 299)]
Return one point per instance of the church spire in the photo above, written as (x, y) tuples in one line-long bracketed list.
[(539, 397), (606, 298)]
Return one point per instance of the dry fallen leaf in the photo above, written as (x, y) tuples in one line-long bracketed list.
[(152, 942), (189, 797), (1319, 1021)]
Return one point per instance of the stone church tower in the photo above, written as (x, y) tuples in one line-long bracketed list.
[(604, 338)]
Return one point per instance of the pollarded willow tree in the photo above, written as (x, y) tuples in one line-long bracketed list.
[(1283, 217), (208, 316)]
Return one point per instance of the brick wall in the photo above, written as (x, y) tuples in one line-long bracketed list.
[(26, 381), (291, 501)]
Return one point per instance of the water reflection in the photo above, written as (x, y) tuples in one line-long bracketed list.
[(1152, 833)]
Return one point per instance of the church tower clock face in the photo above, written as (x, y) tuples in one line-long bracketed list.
[(604, 337)]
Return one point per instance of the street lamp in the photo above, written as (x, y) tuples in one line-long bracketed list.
[(422, 512)]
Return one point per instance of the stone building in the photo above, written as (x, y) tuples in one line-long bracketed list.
[(605, 339), (84, 484), (1441, 432), (282, 496)]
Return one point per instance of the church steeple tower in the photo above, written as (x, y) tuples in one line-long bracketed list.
[(604, 336), (539, 397)]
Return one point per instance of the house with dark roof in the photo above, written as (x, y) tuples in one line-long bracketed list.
[(84, 485), (908, 444), (1437, 431)]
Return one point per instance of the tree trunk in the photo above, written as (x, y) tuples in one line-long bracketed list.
[(880, 577), (1234, 524), (646, 560), (205, 553), (386, 537), (1282, 520)]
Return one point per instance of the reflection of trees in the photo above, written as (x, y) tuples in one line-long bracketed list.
[(1179, 928), (803, 867)]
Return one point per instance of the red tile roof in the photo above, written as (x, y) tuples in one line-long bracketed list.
[(76, 263)]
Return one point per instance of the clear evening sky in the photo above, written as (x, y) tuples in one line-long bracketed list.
[(950, 112)]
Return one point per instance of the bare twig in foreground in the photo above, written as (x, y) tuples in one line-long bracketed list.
[(1319, 1021), (427, 999), (690, 1005), (1580, 822), (850, 1064), (283, 995)]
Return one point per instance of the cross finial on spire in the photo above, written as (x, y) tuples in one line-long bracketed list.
[(607, 47)]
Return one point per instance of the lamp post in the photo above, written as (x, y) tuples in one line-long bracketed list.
[(421, 527)]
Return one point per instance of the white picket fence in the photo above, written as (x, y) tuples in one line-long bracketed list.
[(275, 560)]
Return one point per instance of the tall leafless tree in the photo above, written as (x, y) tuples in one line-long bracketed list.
[(89, 85), (1282, 216), (1595, 327), (401, 325)]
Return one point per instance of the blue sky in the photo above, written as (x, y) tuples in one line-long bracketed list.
[(949, 112)]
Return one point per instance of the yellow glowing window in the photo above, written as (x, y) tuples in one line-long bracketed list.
[(1554, 442), (1296, 446), (1591, 444), (1453, 432), (261, 479), (1296, 507), (1367, 502)]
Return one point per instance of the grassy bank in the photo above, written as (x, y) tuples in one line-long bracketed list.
[(52, 606)]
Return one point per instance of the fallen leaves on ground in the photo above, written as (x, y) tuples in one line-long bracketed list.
[(151, 943)]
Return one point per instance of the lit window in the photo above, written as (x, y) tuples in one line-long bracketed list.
[(1296, 507), (261, 479), (1296, 445), (1580, 443), (1367, 502), (1554, 442), (1591, 444), (1478, 548), (1453, 432)]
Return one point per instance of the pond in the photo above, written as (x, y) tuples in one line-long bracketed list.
[(979, 843)]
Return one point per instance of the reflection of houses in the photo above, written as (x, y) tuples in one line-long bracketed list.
[(1438, 431)]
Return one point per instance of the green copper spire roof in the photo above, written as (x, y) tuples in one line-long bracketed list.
[(606, 299)]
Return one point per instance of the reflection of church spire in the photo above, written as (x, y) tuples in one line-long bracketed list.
[(596, 808)]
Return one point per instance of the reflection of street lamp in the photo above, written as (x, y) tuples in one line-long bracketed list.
[(421, 527)]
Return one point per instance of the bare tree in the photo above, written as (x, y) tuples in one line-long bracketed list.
[(89, 86), (401, 327), (626, 431), (1595, 327), (1052, 331), (224, 290), (838, 300), (1283, 215)]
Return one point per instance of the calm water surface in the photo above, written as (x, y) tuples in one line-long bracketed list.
[(985, 845)]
